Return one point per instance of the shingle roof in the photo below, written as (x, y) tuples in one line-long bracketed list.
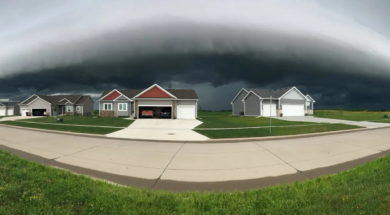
[(29, 100), (179, 93), (9, 104), (183, 93), (56, 99), (82, 100), (267, 93)]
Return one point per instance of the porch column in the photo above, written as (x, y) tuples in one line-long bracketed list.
[(136, 109), (174, 109)]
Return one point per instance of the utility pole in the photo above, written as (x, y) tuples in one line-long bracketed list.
[(270, 115)]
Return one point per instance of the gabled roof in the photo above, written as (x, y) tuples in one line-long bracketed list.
[(242, 89), (178, 93), (310, 98), (128, 93), (155, 91), (29, 100), (267, 93), (57, 99)]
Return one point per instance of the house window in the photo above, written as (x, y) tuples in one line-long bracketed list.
[(69, 108), (122, 107), (78, 108), (107, 106)]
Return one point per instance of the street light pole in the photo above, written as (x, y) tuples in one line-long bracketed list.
[(270, 115)]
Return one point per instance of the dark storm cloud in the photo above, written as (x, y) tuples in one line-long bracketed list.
[(338, 63), (331, 85)]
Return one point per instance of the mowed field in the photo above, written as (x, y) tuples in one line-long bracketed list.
[(224, 125), (373, 116), (29, 188)]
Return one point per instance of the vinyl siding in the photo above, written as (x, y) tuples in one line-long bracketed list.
[(252, 105), (295, 95), (292, 101), (115, 107), (87, 107), (238, 105), (39, 104)]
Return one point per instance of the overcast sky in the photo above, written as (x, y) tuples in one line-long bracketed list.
[(336, 50)]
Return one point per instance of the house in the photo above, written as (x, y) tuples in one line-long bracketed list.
[(153, 102), (267, 102), (309, 105), (54, 105), (9, 108)]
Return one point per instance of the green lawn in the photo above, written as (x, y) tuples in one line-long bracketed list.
[(92, 124), (83, 120), (76, 129), (29, 188), (226, 120), (375, 116)]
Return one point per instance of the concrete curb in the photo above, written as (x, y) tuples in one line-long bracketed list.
[(223, 140)]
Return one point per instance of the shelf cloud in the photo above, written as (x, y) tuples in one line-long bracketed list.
[(326, 48)]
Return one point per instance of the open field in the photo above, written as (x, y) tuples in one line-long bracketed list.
[(373, 116), (26, 187), (226, 120)]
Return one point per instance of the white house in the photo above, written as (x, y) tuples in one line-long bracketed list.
[(271, 102)]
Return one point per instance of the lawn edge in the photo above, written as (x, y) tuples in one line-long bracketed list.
[(221, 140)]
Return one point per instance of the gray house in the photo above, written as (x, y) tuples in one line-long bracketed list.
[(9, 108), (267, 102), (54, 105)]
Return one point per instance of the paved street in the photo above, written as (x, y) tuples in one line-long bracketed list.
[(198, 162)]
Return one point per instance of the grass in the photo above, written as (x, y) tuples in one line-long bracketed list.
[(91, 123), (82, 120), (29, 188), (76, 129), (373, 116), (226, 120)]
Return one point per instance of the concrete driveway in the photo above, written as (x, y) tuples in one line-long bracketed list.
[(161, 129), (327, 120), (169, 165)]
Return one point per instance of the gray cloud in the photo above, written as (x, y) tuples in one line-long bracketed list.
[(339, 61)]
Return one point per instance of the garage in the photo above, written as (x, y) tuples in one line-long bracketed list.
[(2, 111), (10, 112), (24, 112), (293, 109), (155, 112), (38, 112), (269, 109), (186, 110)]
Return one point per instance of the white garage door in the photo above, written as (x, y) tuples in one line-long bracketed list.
[(10, 112), (269, 109), (293, 110), (2, 112), (23, 112), (186, 111)]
